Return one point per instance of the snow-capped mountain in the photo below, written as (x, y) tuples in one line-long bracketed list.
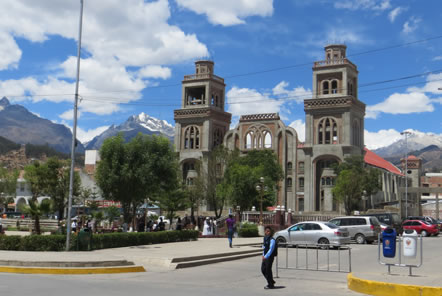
[(416, 140), (135, 124)]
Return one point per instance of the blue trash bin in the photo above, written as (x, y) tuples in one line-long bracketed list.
[(389, 242)]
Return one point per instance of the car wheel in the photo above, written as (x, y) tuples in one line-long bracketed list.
[(424, 233), (281, 240), (360, 238), (325, 242)]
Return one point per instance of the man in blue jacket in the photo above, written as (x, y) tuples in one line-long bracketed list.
[(269, 253)]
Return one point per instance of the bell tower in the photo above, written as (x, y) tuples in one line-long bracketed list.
[(201, 123), (334, 120)]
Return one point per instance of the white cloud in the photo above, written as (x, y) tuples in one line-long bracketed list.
[(298, 94), (438, 58), (411, 25), (242, 101), (413, 102), (377, 5), (394, 13), (155, 71), (86, 135), (228, 12), (299, 126), (434, 82), (10, 53), (381, 138), (69, 115), (115, 37)]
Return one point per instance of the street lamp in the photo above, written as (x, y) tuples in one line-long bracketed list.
[(406, 134), (260, 188)]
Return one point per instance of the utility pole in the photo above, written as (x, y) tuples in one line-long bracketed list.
[(406, 134), (74, 134)]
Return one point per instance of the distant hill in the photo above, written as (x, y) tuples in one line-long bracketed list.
[(6, 145), (135, 124), (431, 157), (22, 127)]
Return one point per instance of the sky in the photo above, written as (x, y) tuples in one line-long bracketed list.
[(135, 54)]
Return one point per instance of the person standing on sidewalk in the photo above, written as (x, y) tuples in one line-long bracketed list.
[(269, 253), (230, 222)]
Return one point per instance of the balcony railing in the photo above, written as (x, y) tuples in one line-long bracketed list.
[(203, 76), (332, 62)]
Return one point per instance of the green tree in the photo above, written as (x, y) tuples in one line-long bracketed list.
[(243, 174), (172, 200), (36, 210), (112, 212), (57, 183), (8, 184), (354, 180), (132, 172)]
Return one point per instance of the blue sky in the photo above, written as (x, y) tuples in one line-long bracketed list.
[(135, 54)]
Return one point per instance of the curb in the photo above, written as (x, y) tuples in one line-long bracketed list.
[(49, 270), (388, 289)]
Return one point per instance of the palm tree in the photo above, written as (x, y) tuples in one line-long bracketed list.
[(36, 210)]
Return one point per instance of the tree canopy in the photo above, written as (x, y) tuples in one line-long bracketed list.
[(355, 180), (135, 171), (243, 173)]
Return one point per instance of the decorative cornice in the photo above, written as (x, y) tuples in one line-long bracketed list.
[(311, 104), (259, 117)]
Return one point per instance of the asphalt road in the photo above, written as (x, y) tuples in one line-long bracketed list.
[(240, 277)]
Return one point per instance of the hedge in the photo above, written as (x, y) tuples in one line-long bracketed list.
[(57, 242), (248, 230)]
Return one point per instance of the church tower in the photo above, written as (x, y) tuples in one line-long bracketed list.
[(334, 119), (201, 123)]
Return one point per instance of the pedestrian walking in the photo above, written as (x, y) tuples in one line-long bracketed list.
[(179, 224), (74, 225), (230, 222), (270, 250)]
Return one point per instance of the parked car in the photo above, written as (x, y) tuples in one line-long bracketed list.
[(390, 219), (427, 219), (361, 228), (421, 227), (313, 232)]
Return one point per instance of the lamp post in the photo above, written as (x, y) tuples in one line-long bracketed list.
[(261, 188), (406, 134)]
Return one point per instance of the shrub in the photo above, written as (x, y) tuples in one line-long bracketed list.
[(248, 230), (57, 242)]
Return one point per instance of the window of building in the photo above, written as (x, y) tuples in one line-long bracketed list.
[(258, 139), (327, 131), (325, 88), (301, 204), (289, 182), (289, 165), (334, 87), (192, 138), (217, 137), (301, 183), (267, 139), (195, 95)]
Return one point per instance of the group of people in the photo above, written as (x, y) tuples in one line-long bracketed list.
[(209, 227), (151, 225)]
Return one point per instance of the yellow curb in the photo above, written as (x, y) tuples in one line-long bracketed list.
[(50, 270), (389, 289)]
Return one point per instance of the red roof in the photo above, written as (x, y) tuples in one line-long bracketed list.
[(412, 157), (375, 160)]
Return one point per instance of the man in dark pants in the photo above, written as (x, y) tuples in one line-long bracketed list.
[(268, 255)]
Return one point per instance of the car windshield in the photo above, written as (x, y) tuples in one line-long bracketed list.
[(331, 225)]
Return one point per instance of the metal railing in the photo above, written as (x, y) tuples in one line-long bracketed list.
[(332, 262)]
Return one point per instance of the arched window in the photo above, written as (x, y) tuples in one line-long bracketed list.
[(217, 137), (327, 131), (192, 137), (267, 139), (289, 182), (249, 140), (334, 87), (325, 87), (289, 165)]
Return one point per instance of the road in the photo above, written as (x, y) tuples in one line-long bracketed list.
[(240, 277)]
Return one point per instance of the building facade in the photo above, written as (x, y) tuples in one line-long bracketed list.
[(334, 129)]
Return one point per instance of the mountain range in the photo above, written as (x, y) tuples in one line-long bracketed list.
[(20, 126), (135, 124)]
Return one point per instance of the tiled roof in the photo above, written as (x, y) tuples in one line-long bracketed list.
[(375, 160)]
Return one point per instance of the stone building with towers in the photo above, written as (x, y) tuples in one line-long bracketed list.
[(334, 130)]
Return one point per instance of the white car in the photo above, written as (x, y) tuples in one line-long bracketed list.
[(313, 232)]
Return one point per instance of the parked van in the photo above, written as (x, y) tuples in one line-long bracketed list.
[(390, 219), (362, 229)]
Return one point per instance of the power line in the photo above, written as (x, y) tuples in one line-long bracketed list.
[(257, 72)]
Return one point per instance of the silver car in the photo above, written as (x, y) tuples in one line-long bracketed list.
[(313, 232)]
